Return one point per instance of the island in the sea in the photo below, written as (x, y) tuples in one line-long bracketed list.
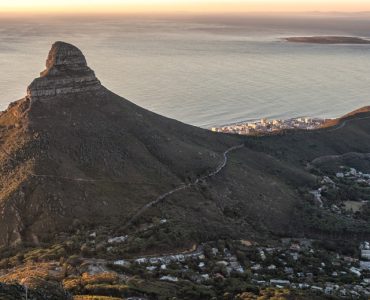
[(328, 40)]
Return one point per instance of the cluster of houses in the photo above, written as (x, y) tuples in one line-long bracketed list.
[(326, 183), (350, 176), (160, 264), (365, 256), (269, 126), (354, 175), (291, 273), (296, 264)]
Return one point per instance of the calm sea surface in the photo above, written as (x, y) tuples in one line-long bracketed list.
[(205, 71)]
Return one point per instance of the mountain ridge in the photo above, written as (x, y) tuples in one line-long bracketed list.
[(36, 116), (73, 159)]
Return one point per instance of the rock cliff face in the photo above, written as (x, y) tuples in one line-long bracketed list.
[(72, 152), (66, 72)]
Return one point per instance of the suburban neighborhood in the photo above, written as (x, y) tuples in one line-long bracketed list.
[(265, 126), (299, 264)]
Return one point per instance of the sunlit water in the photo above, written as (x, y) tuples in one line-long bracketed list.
[(203, 71)]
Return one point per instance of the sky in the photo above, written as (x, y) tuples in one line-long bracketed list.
[(168, 6)]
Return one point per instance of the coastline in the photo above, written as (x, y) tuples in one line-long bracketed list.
[(266, 126)]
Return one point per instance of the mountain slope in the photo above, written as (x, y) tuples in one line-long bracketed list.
[(88, 155), (76, 156)]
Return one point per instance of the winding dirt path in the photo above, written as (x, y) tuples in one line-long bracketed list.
[(212, 174), (182, 187), (160, 198)]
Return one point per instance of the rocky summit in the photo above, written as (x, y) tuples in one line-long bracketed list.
[(77, 158), (66, 72), (73, 153), (100, 197)]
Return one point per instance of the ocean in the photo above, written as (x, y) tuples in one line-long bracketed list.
[(203, 70)]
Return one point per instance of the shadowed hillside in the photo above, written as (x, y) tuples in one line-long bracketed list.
[(100, 198), (75, 155)]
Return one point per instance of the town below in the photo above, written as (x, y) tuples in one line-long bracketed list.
[(265, 126)]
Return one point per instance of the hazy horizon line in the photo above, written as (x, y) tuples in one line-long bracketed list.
[(179, 13)]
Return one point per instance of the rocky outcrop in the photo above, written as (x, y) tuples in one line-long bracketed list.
[(74, 154), (66, 73)]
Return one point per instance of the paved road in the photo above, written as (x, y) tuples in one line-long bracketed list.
[(172, 257), (182, 187), (345, 122)]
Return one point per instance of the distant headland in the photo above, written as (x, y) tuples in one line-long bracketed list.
[(328, 40)]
